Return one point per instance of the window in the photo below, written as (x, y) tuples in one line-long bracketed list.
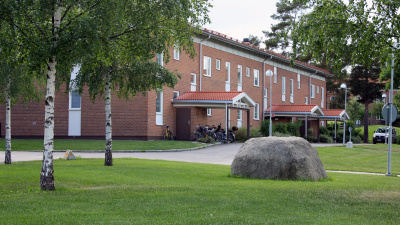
[(291, 91), (209, 112), (312, 91), (218, 64), (306, 102), (275, 75), (317, 89), (159, 108), (240, 75), (176, 52), (247, 71), (322, 97), (228, 72), (256, 78), (239, 116), (333, 98), (176, 94), (298, 81), (256, 112), (193, 79), (160, 59), (75, 100), (283, 89), (207, 66)]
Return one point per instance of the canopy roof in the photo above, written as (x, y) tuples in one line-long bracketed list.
[(215, 99), (295, 110), (332, 114)]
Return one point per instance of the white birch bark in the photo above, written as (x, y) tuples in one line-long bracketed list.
[(47, 173), (108, 153), (8, 123)]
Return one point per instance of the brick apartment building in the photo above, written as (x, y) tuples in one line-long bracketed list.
[(229, 72)]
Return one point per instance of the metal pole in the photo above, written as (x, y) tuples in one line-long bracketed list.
[(389, 167), (270, 105), (344, 127)]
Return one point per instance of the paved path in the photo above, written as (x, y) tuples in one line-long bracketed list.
[(217, 154)]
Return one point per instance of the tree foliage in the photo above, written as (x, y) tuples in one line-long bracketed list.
[(343, 29), (355, 110)]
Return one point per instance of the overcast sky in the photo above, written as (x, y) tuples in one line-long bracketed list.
[(240, 18)]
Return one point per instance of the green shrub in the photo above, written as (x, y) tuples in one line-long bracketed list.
[(324, 138), (264, 129), (280, 128), (294, 128), (324, 130), (277, 134), (310, 131), (206, 140), (241, 134), (356, 139), (398, 140), (312, 139)]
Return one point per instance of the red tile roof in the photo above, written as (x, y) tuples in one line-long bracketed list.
[(291, 108), (261, 49), (210, 95), (332, 112)]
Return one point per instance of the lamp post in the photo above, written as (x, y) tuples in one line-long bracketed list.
[(384, 102), (269, 74), (344, 86)]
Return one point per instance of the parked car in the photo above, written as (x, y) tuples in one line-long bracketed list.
[(380, 135)]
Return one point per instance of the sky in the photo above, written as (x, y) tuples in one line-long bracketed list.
[(240, 18)]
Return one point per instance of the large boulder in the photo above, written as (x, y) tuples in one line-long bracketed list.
[(278, 158)]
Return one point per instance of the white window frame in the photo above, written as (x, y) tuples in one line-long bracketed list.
[(218, 64), (256, 78), (306, 101), (322, 97), (159, 114), (248, 73), (291, 91), (298, 81), (209, 112), (175, 94), (283, 89), (176, 52), (160, 59), (312, 91), (317, 89), (193, 81), (240, 77), (256, 112), (228, 72), (275, 75), (70, 100), (207, 66)]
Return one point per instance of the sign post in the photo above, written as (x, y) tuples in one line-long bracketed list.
[(389, 113)]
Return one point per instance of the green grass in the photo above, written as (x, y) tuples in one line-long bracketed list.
[(137, 191), (363, 158), (90, 145)]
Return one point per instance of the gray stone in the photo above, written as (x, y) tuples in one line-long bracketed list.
[(69, 155), (280, 158), (349, 144)]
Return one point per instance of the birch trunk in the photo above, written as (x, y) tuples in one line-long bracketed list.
[(108, 156), (47, 172), (8, 123)]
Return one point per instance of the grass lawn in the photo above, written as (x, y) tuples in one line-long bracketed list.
[(90, 145), (135, 191), (363, 158)]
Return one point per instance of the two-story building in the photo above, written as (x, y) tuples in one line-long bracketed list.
[(225, 83)]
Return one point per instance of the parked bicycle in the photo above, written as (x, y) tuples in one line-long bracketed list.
[(167, 133)]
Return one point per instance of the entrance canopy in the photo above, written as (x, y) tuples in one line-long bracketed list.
[(299, 111), (334, 114), (214, 99)]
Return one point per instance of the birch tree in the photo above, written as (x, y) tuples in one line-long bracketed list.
[(56, 33)]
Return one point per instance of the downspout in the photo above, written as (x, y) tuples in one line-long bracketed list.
[(201, 58), (263, 95)]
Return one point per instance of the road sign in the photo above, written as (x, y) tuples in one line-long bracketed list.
[(386, 112)]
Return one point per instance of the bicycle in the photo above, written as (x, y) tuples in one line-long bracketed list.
[(168, 134)]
